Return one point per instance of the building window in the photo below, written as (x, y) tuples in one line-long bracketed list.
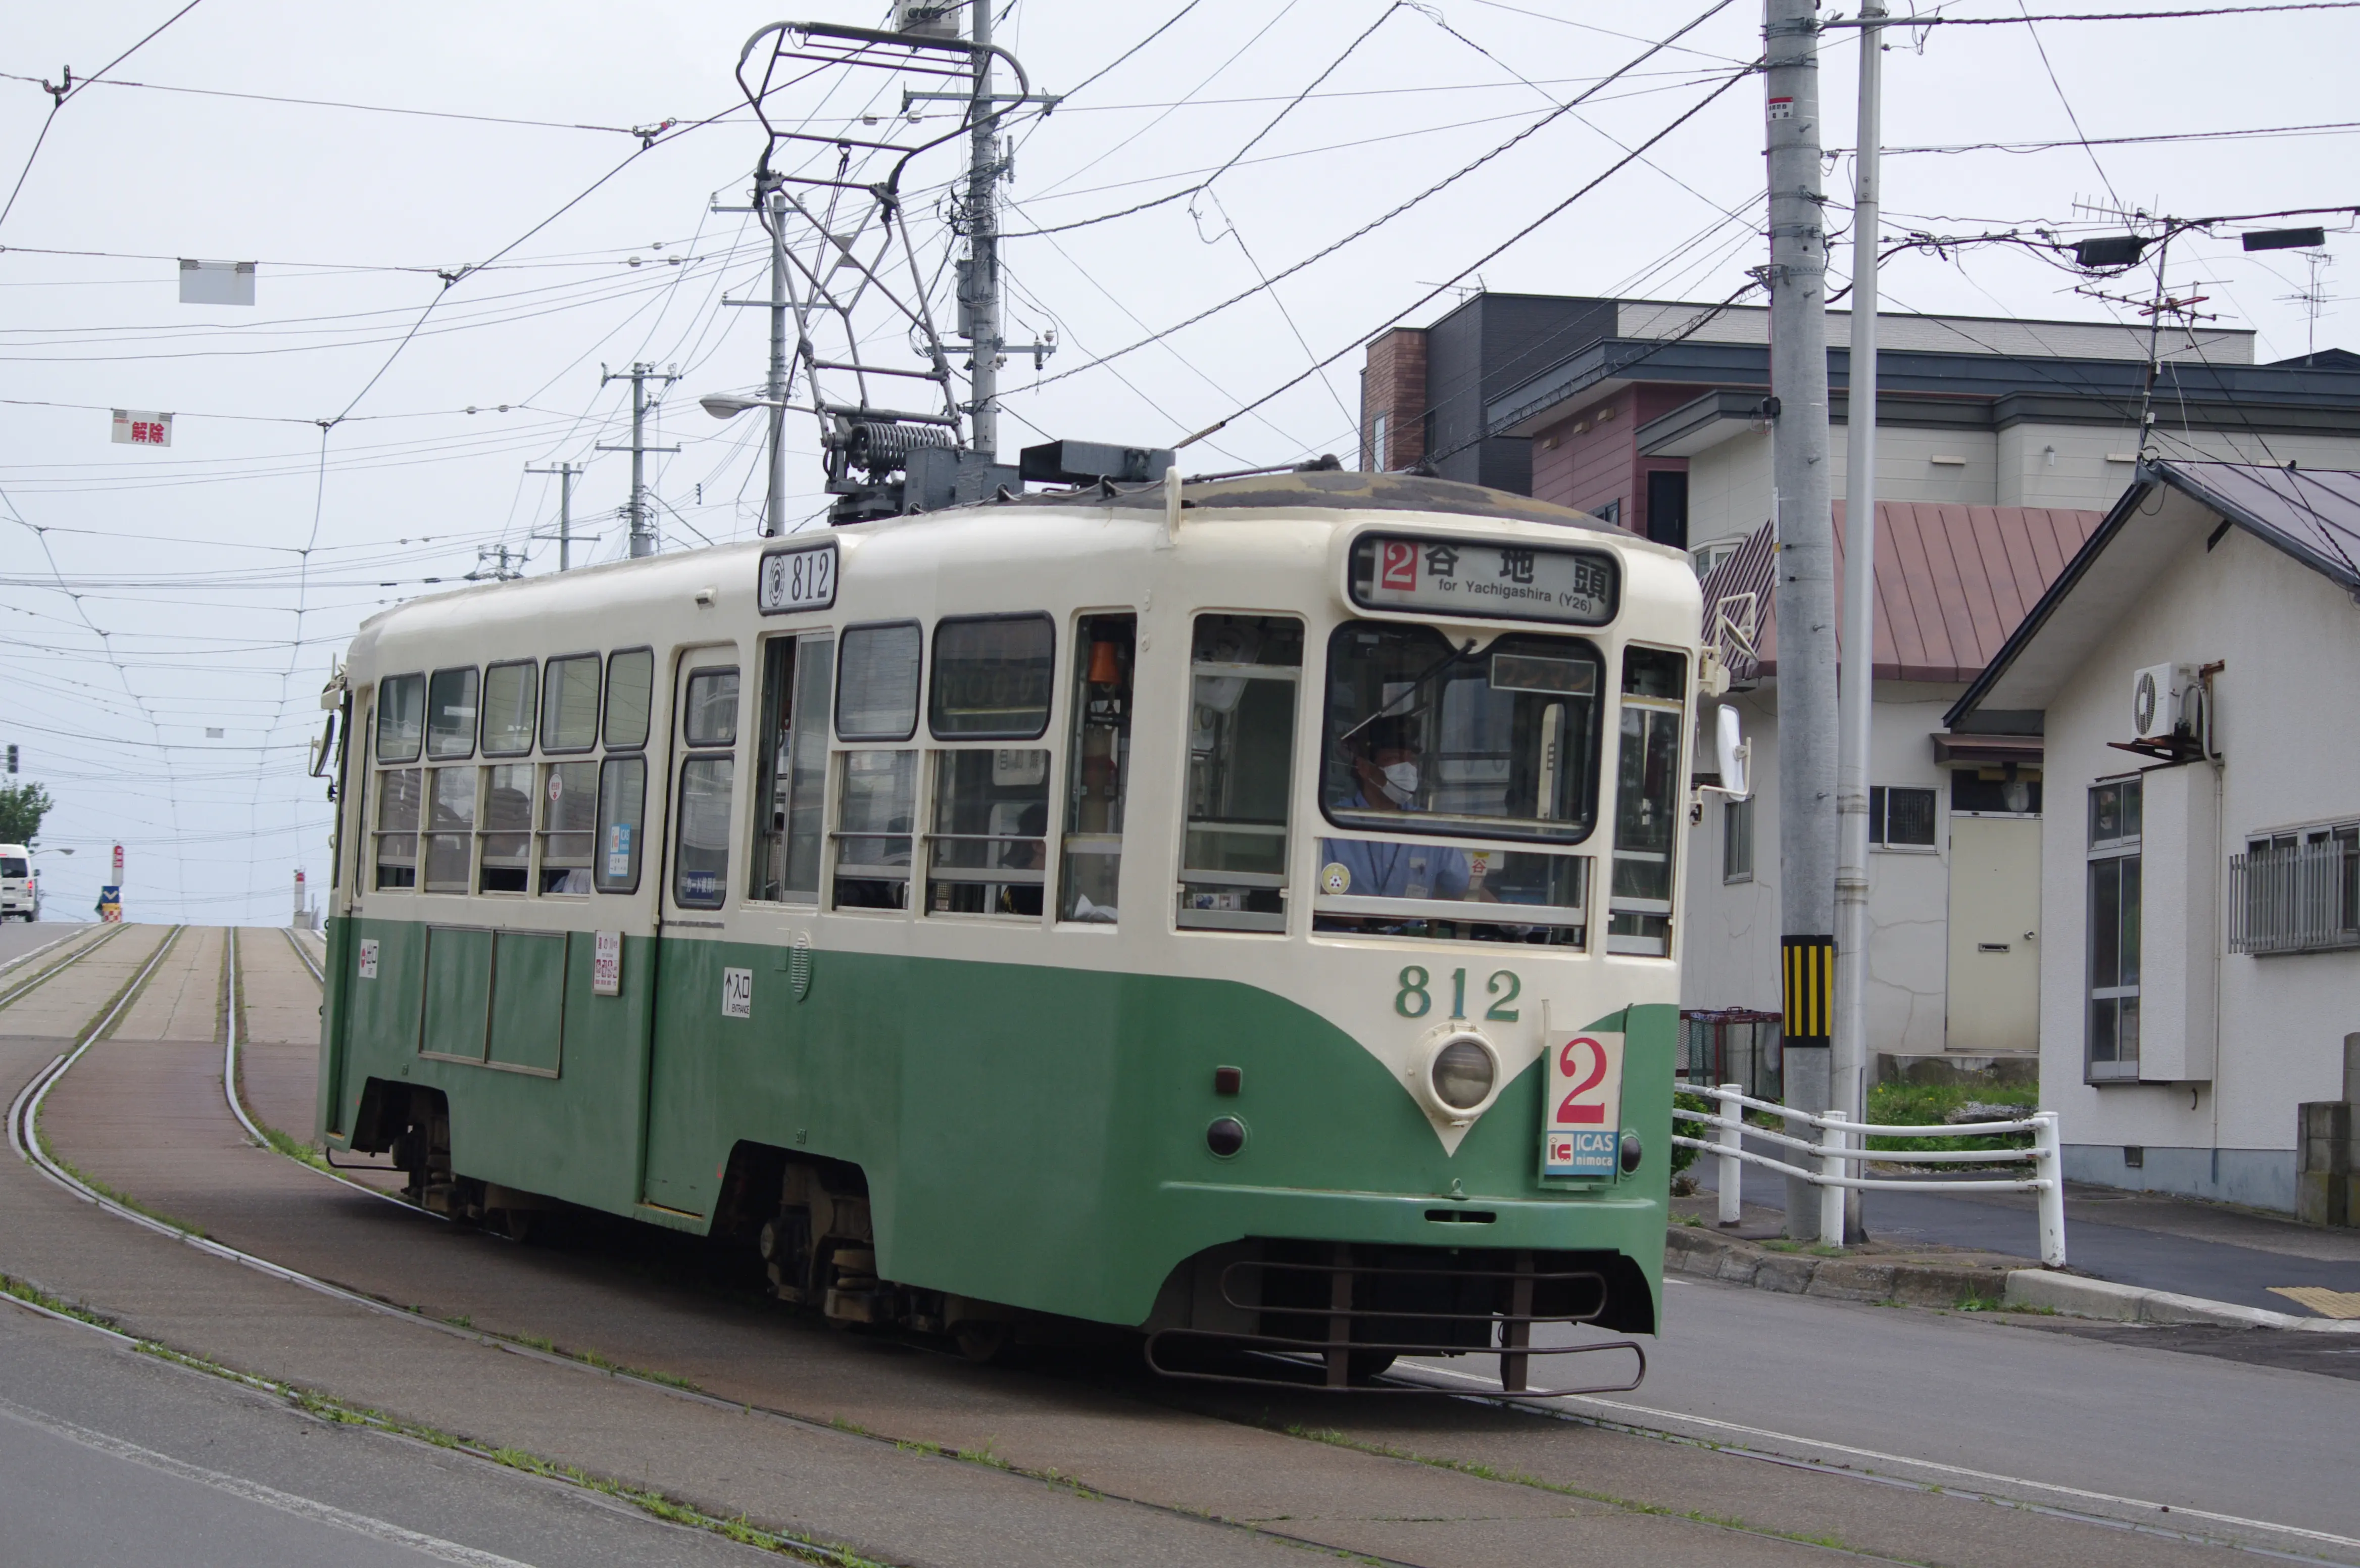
[(1993, 795), (2297, 892), (1667, 507), (1610, 513), (2113, 1004), (1708, 557), (1737, 840), (1900, 817)]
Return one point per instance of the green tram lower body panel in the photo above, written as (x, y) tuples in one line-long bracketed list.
[(1031, 1135)]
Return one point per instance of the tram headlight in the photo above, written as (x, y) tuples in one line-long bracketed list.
[(1463, 1073)]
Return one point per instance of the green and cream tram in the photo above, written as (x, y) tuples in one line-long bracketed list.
[(1243, 913)]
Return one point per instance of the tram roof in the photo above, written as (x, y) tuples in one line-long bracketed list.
[(1317, 489)]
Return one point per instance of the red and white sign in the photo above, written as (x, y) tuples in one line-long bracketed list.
[(118, 865), (1581, 1109), (367, 966), (133, 428), (607, 963), (1782, 108)]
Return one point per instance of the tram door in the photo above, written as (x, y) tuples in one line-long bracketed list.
[(694, 1009)]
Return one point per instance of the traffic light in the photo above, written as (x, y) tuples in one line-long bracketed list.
[(12, 756)]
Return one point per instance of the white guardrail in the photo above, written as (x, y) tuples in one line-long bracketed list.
[(1839, 1147)]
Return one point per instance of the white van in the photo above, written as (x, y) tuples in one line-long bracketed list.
[(20, 894)]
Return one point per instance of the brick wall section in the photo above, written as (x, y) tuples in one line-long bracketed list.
[(1394, 385), (1598, 463)]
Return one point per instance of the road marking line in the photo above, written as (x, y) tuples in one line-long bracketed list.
[(256, 1492), (1884, 1458)]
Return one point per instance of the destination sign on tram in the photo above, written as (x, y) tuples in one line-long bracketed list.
[(796, 579), (1456, 576)]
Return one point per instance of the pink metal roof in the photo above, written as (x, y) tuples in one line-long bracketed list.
[(1952, 581)]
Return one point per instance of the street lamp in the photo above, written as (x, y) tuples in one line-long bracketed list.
[(729, 405)]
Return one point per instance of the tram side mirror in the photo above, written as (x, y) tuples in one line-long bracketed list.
[(1733, 753), (325, 747)]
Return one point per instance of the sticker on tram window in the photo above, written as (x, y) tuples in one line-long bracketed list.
[(618, 852), (798, 580), (1581, 1104), (1501, 582)]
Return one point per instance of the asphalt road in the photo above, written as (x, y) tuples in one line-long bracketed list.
[(113, 1459), (17, 938)]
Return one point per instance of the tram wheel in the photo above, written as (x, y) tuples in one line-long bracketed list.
[(1365, 1364), (517, 1224)]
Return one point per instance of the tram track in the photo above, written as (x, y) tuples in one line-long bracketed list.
[(909, 1426), (16, 989)]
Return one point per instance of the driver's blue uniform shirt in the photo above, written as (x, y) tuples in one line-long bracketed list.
[(1394, 870)]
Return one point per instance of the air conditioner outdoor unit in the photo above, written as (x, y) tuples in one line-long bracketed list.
[(2159, 703)]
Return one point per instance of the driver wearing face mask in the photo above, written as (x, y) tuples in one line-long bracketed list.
[(1384, 756)]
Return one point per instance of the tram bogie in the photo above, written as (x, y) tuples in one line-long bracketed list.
[(1248, 923)]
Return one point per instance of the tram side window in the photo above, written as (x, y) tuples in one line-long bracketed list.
[(622, 804), (1646, 802), (992, 676), (451, 828), (878, 669), (708, 718), (989, 853), (1091, 865), (1244, 671), (569, 703), (630, 686), (505, 854), (569, 824), (396, 825), (792, 755), (450, 713), (400, 717), (875, 795), (510, 694)]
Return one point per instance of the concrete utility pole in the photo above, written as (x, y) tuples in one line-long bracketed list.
[(643, 533), (982, 280), (566, 474), (774, 512), (1849, 1056), (1805, 585)]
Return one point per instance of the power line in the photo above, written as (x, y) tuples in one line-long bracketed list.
[(1440, 289), (1376, 223), (2079, 134), (365, 108), (2329, 127), (68, 89)]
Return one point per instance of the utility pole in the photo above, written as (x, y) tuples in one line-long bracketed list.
[(643, 533), (982, 284), (774, 513), (1806, 583), (566, 473), (1849, 1056)]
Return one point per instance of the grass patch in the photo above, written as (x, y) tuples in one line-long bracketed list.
[(1924, 1104)]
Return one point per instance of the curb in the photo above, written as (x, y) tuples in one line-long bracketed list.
[(1693, 1250), (2082, 1298)]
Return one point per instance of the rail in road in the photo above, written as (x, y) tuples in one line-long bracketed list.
[(299, 1279)]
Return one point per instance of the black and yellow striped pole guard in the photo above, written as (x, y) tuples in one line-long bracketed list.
[(1808, 974)]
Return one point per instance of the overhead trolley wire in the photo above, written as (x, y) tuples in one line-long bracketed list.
[(365, 108), (69, 89), (1443, 287), (1376, 223)]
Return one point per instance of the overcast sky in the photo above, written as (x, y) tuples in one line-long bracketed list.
[(148, 597)]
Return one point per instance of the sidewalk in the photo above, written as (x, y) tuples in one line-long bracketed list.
[(2143, 1239)]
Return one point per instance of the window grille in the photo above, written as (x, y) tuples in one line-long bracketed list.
[(2297, 897)]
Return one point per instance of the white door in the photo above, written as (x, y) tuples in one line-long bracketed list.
[(1994, 968)]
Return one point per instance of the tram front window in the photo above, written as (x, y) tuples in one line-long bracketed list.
[(1646, 802), (1429, 739)]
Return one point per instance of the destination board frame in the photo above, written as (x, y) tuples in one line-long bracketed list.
[(1512, 589)]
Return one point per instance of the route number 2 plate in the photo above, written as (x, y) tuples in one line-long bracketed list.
[(1581, 1110)]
